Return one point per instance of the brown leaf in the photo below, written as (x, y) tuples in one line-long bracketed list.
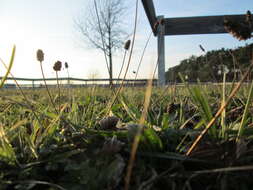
[(109, 123)]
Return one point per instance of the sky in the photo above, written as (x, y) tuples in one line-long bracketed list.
[(49, 25)]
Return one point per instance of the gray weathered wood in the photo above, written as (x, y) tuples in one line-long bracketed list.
[(198, 25), (161, 53), (150, 12), (72, 79), (183, 26)]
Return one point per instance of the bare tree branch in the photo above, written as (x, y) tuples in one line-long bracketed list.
[(104, 29)]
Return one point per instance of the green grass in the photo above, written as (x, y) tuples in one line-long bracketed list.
[(70, 150)]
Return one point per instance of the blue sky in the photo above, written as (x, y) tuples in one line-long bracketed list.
[(49, 25)]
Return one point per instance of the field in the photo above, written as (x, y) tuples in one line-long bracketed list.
[(65, 135), (82, 139)]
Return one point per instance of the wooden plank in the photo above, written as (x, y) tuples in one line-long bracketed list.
[(161, 53), (73, 79), (150, 12), (198, 25)]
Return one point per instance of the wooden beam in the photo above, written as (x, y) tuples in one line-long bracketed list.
[(73, 79), (161, 53), (198, 25), (150, 12)]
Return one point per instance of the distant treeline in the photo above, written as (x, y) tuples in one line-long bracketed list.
[(211, 66)]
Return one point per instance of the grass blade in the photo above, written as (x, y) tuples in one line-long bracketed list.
[(9, 68), (245, 113), (210, 124)]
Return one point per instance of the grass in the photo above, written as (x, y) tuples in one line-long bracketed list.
[(71, 151), (179, 137)]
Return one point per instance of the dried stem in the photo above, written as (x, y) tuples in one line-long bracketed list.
[(48, 92), (123, 62), (23, 94), (132, 158), (138, 135), (223, 106), (102, 36), (59, 90), (143, 52), (128, 64)]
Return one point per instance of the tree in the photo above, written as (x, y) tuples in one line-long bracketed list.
[(103, 28), (210, 67)]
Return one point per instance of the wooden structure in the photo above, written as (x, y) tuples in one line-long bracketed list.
[(181, 26), (78, 82)]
